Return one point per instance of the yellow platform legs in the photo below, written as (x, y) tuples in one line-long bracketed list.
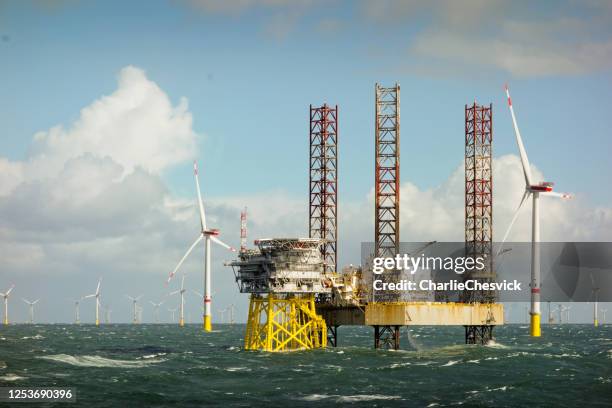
[(284, 323)]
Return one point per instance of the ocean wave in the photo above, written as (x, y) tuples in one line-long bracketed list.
[(100, 362), (362, 397), (450, 363), (2, 365), (496, 345), (11, 377), (349, 398), (36, 337)]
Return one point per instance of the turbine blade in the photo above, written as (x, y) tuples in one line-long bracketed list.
[(223, 244), (36, 301), (98, 288), (200, 204), (173, 293), (184, 257), (8, 292), (89, 296), (197, 293), (183, 282), (563, 196), (519, 142), (514, 217)]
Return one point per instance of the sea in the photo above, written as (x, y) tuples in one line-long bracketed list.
[(157, 365)]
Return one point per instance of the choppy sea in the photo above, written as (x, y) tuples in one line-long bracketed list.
[(163, 365)]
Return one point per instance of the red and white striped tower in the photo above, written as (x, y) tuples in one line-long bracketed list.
[(243, 230)]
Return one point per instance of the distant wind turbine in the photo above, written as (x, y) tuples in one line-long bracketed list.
[(209, 235), (134, 307), (77, 314), (97, 297), (173, 311), (595, 294), (6, 296), (31, 304), (181, 292), (156, 308)]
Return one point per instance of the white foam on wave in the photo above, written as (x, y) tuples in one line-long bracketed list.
[(450, 363), (235, 369), (98, 361), (36, 337), (149, 356), (2, 365), (11, 377), (362, 397), (349, 398), (496, 345)]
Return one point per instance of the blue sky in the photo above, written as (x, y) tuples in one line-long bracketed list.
[(249, 69)]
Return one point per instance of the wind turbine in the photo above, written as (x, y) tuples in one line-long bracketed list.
[(6, 296), (603, 313), (173, 311), (134, 307), (566, 309), (535, 191), (181, 292), (31, 304), (595, 293), (231, 314), (97, 296), (222, 312), (156, 307), (208, 235), (77, 314)]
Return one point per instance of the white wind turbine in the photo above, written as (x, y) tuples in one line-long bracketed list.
[(97, 296), (207, 235), (533, 190), (77, 314), (595, 294), (156, 307), (6, 296), (181, 292), (173, 315), (603, 315), (31, 304), (134, 307)]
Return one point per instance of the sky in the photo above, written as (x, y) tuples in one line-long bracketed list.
[(105, 105)]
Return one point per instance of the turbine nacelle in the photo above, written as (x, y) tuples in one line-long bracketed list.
[(212, 232)]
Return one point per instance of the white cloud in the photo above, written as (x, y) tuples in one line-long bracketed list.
[(136, 125), (565, 38)]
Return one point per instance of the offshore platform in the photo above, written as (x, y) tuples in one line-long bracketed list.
[(299, 297)]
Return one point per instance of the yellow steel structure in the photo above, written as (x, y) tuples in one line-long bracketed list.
[(284, 323)]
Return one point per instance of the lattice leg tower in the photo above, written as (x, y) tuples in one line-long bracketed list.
[(284, 323), (387, 182), (479, 208)]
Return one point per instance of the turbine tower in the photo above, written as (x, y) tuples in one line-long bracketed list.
[(134, 307), (6, 296), (31, 304), (173, 311), (208, 235), (156, 308), (535, 191), (97, 296), (595, 294), (181, 292), (77, 314)]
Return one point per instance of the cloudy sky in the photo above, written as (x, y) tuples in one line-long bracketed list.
[(105, 105)]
